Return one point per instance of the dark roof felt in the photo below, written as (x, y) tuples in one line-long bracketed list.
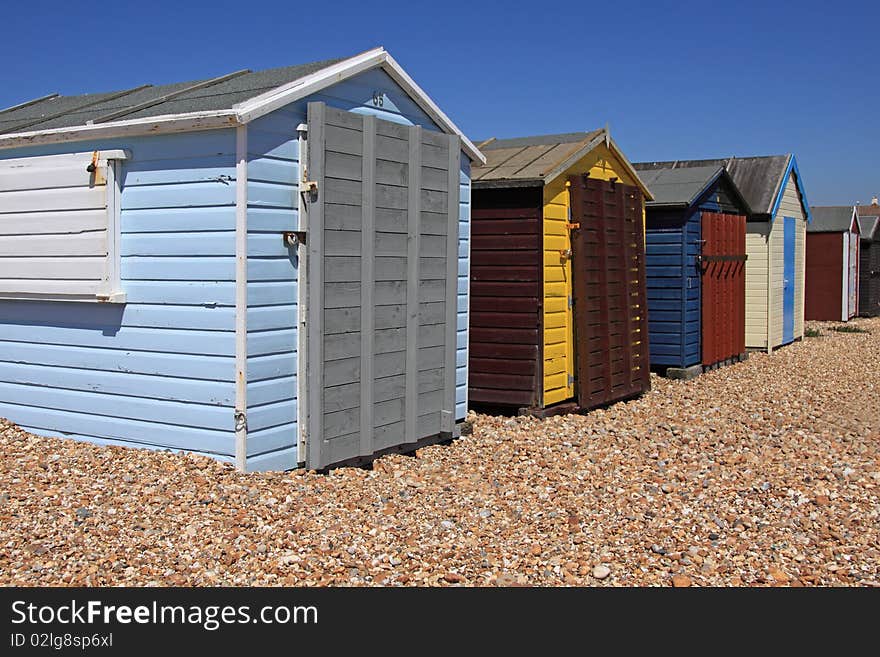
[(758, 178), (868, 226), (831, 219), (868, 210), (71, 111), (678, 186), (528, 158)]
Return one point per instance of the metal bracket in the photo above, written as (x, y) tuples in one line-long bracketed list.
[(293, 238)]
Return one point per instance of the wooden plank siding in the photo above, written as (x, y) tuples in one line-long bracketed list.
[(723, 290), (757, 280), (609, 284), (558, 340), (765, 247), (790, 206), (273, 175), (671, 301), (506, 299), (157, 371), (382, 227), (170, 350), (825, 276), (55, 223), (869, 278)]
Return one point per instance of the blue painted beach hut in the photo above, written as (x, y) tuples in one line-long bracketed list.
[(695, 231), (270, 268), (775, 243)]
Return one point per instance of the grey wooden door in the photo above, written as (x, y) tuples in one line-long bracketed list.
[(382, 282)]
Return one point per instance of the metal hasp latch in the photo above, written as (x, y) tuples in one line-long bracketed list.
[(293, 238), (93, 165)]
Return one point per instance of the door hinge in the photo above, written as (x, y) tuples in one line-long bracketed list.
[(570, 301), (308, 187), (570, 379)]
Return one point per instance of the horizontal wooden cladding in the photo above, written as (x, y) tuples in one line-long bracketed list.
[(505, 320), (609, 284)]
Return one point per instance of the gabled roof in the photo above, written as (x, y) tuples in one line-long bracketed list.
[(868, 225), (685, 186), (225, 101), (833, 219), (535, 161), (761, 180), (868, 210)]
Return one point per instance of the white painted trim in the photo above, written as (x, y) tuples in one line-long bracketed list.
[(241, 200), (430, 107), (104, 156), (267, 102), (118, 297), (253, 108), (302, 337), (844, 295), (113, 281), (166, 124)]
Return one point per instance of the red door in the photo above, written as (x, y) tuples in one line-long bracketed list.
[(723, 262)]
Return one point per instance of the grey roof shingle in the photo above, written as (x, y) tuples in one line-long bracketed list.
[(71, 111), (758, 178), (528, 158), (678, 186), (868, 226), (831, 219)]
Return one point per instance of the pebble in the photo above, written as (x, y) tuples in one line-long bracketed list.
[(746, 473), (601, 571), (681, 581)]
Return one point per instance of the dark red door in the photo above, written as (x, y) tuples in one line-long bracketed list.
[(723, 286), (609, 285)]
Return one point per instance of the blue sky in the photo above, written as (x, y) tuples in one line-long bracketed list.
[(675, 80)]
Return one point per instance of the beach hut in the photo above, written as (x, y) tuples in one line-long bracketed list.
[(558, 311), (696, 257), (262, 267), (775, 243), (869, 260), (832, 276)]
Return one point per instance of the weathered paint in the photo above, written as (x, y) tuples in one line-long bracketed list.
[(273, 268), (159, 371), (558, 339)]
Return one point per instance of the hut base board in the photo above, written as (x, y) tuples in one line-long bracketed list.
[(684, 373), (461, 429), (692, 372)]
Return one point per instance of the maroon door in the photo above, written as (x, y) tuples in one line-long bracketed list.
[(609, 285), (506, 289), (723, 286)]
